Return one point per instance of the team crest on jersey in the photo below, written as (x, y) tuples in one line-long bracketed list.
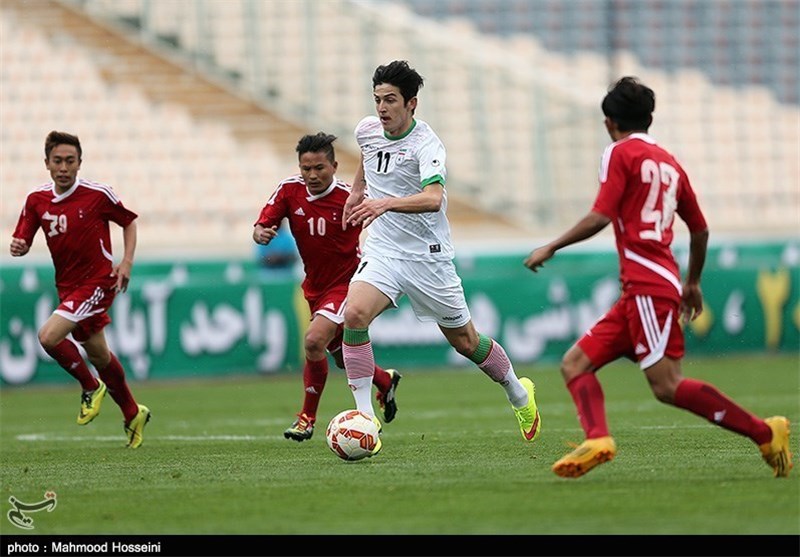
[(401, 156)]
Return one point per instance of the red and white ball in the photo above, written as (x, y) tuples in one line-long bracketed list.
[(352, 435)]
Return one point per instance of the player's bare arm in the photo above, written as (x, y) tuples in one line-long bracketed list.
[(263, 235), (123, 270), (429, 200), (585, 228), (357, 193), (692, 296), (19, 247)]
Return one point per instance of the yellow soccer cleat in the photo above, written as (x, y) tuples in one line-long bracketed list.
[(530, 423), (135, 427), (776, 453), (302, 428), (379, 444), (90, 403), (586, 456)]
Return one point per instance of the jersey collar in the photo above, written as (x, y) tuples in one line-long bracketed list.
[(328, 190), (59, 196), (647, 138), (404, 134)]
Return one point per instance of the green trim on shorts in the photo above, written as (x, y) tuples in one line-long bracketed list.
[(482, 351), (355, 337)]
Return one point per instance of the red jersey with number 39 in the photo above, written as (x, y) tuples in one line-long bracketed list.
[(642, 187), (75, 225), (330, 255)]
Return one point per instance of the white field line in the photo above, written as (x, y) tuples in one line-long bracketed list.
[(49, 437)]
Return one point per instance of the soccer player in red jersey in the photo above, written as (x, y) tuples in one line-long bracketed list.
[(74, 214), (313, 203), (642, 187)]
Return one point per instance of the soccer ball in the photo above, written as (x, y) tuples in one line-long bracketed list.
[(352, 435)]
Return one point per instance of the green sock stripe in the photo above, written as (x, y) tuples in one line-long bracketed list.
[(355, 337), (482, 351)]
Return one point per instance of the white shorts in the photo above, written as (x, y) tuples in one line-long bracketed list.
[(433, 288)]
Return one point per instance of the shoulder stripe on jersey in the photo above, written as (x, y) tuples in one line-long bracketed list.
[(291, 180), (44, 187), (343, 185), (604, 162), (97, 186), (660, 270)]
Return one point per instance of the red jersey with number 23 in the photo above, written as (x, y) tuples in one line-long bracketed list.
[(75, 226), (642, 187), (330, 255)]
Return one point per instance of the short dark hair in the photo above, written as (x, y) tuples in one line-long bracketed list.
[(61, 138), (630, 104), (402, 76), (319, 142)]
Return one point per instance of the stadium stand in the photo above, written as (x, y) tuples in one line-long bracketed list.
[(202, 102)]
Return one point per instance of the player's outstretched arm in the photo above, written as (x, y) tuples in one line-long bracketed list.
[(428, 200), (19, 247), (357, 193), (585, 228)]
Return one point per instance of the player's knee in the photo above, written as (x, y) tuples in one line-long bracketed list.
[(48, 339), (314, 344), (571, 367), (356, 317)]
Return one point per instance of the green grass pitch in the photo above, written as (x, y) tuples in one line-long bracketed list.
[(214, 460)]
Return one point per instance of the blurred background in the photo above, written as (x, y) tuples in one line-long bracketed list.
[(191, 109)]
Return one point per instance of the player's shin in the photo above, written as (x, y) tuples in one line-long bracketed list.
[(359, 363)]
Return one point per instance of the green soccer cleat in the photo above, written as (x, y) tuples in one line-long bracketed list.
[(90, 403), (528, 416), (135, 427), (586, 456), (776, 453), (302, 428), (387, 400)]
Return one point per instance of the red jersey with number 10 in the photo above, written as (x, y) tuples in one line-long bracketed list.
[(330, 255), (75, 225), (642, 187)]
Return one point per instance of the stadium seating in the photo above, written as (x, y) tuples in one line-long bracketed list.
[(512, 87)]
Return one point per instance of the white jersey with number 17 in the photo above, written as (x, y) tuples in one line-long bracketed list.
[(399, 167)]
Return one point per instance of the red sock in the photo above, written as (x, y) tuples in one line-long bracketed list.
[(68, 357), (315, 374), (114, 377), (708, 402), (590, 403), (382, 380)]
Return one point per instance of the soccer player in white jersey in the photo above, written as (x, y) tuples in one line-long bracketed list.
[(399, 193), (74, 215)]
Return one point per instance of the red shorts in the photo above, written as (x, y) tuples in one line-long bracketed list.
[(641, 328), (331, 305), (88, 307)]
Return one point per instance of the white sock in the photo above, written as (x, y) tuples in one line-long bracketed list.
[(515, 391), (362, 393)]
